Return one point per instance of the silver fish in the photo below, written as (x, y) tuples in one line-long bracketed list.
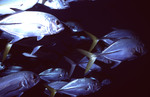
[(54, 74), (6, 5), (30, 24), (74, 26), (15, 84), (56, 4), (59, 4), (78, 87), (124, 49), (11, 69), (118, 34)]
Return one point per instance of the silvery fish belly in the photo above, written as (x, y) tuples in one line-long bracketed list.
[(6, 5), (118, 34), (82, 86), (31, 23), (54, 74), (56, 4), (124, 49), (15, 84)]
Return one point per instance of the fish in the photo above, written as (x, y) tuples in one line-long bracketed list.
[(77, 87), (74, 26), (118, 34), (35, 49), (111, 37), (54, 74), (59, 4), (17, 83), (56, 4), (6, 5), (35, 24), (10, 70), (121, 50), (124, 50)]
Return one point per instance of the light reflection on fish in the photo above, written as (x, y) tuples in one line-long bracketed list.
[(6, 5), (54, 74), (35, 49), (59, 4), (118, 34), (30, 24), (15, 84), (11, 69), (76, 87)]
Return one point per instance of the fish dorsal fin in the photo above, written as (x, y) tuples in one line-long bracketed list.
[(40, 37), (43, 1), (17, 10)]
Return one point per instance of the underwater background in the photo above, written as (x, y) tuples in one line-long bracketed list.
[(129, 79)]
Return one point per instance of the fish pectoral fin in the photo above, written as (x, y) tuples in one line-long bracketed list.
[(36, 49), (40, 37), (16, 10), (29, 55), (20, 94), (116, 64)]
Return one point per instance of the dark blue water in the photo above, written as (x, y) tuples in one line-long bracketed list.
[(129, 79)]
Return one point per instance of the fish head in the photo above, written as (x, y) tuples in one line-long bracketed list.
[(95, 84), (30, 79), (55, 26), (54, 74), (56, 4)]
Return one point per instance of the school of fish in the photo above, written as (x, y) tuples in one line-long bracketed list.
[(20, 24)]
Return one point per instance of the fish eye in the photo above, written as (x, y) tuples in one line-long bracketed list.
[(57, 22), (50, 0), (39, 27), (21, 4), (60, 75), (34, 76)]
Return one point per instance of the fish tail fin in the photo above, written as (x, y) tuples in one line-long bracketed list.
[(73, 65), (92, 58), (51, 90), (94, 39), (6, 51)]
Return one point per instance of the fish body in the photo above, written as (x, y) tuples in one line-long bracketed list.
[(6, 5), (122, 50), (30, 24), (16, 83), (81, 86), (54, 74)]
